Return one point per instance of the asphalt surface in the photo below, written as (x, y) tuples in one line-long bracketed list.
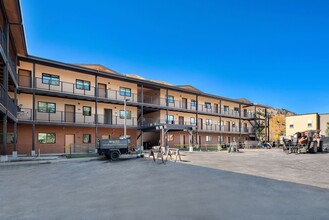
[(309, 169), (142, 189)]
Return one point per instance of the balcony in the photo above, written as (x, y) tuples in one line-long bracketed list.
[(12, 108), (71, 88), (76, 118), (208, 109)]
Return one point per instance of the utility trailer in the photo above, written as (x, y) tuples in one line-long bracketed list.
[(116, 148)]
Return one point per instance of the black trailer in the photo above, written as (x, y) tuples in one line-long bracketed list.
[(116, 148)]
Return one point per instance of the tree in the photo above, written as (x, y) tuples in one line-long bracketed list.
[(327, 131), (277, 127)]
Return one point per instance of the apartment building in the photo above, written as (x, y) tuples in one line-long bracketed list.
[(12, 44), (50, 105)]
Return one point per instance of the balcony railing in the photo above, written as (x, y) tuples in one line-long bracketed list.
[(12, 108), (71, 88), (3, 42), (71, 117)]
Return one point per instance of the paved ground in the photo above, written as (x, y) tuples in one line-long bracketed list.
[(141, 189), (310, 169)]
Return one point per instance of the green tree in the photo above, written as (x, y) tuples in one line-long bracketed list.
[(327, 131)]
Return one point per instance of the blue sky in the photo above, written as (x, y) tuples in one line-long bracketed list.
[(273, 52)]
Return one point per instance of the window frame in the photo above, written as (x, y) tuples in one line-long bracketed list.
[(47, 107), (47, 134), (83, 111), (89, 138), (226, 108), (83, 83), (193, 103), (207, 105), (126, 92), (192, 122), (208, 121), (52, 79), (208, 138), (170, 99), (128, 114)]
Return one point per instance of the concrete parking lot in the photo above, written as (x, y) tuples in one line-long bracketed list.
[(309, 169), (142, 189)]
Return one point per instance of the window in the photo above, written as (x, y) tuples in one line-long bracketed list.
[(220, 139), (226, 108), (10, 138), (309, 124), (208, 121), (234, 139), (192, 121), (125, 92), (50, 79), (291, 125), (207, 105), (122, 114), (170, 99), (170, 119), (86, 138), (208, 138), (46, 138), (193, 103), (46, 107), (82, 84), (86, 111), (236, 111)]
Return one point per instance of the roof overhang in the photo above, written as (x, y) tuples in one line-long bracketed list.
[(14, 16)]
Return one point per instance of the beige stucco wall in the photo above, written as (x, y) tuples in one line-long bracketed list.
[(300, 123), (71, 77)]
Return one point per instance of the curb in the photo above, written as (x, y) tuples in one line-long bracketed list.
[(44, 161)]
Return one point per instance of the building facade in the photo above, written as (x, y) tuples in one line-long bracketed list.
[(324, 120), (300, 123), (51, 106)]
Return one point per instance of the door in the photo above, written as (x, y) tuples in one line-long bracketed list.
[(228, 126), (24, 77), (108, 116), (102, 90), (216, 108), (184, 103), (200, 144), (69, 143), (200, 123), (182, 141), (69, 113), (181, 120)]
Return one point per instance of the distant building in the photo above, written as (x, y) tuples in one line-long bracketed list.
[(298, 123), (324, 120)]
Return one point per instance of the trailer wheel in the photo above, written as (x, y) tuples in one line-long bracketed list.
[(114, 155)]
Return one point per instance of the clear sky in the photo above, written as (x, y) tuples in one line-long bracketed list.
[(273, 52)]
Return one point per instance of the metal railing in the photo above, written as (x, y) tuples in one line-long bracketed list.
[(71, 117), (201, 127), (12, 108), (71, 88), (3, 42)]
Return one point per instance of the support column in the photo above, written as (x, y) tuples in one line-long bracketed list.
[(240, 127), (197, 120), (96, 110), (33, 111), (220, 122)]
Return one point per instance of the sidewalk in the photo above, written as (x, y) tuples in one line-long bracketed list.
[(12, 161)]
